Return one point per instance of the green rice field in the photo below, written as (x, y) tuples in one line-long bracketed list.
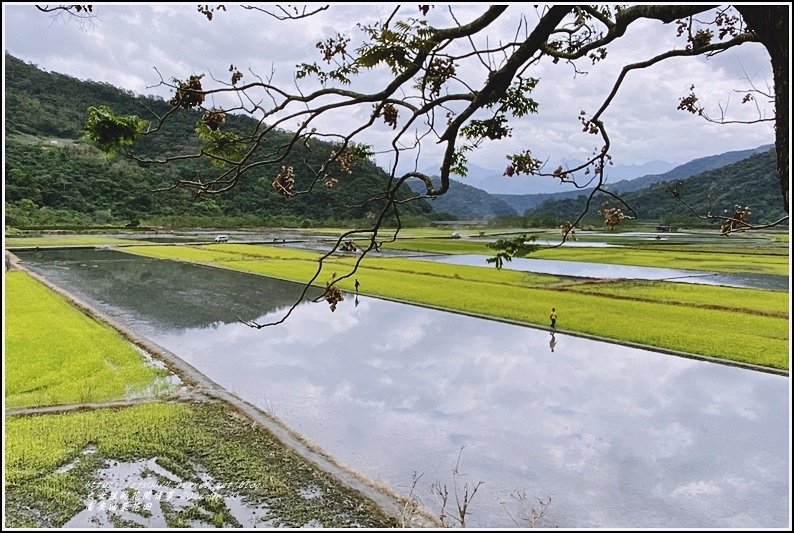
[(203, 453), (55, 354)]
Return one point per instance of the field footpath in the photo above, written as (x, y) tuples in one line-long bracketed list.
[(192, 396)]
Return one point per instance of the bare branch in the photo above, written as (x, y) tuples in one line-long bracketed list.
[(736, 41), (624, 18), (284, 13)]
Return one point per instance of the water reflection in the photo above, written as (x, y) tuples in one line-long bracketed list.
[(146, 287), (617, 437), (610, 271)]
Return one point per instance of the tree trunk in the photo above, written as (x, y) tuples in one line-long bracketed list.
[(771, 25)]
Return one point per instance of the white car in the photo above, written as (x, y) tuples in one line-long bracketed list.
[(221, 238)]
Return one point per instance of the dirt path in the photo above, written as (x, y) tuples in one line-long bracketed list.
[(51, 409)]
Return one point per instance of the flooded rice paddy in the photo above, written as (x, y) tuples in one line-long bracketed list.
[(610, 271), (615, 436)]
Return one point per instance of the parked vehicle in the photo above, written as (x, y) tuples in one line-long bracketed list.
[(221, 238)]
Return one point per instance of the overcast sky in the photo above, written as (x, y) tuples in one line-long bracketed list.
[(123, 45)]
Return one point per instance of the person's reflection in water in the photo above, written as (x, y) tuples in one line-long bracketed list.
[(356, 300), (552, 342)]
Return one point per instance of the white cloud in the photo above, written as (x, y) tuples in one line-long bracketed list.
[(697, 489)]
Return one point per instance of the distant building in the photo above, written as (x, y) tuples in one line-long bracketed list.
[(666, 228)]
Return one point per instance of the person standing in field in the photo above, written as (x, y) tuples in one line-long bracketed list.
[(553, 317)]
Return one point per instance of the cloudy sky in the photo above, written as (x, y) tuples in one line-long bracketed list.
[(124, 44)]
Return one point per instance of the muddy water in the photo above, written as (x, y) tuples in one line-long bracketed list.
[(615, 436)]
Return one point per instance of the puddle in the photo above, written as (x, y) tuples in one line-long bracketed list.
[(144, 494), (89, 450)]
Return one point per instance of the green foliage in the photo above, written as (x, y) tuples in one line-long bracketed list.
[(507, 249), (88, 363), (67, 183), (26, 214), (459, 160), (110, 131), (334, 49), (516, 99), (493, 128), (395, 47), (188, 93), (220, 144), (522, 163), (341, 74)]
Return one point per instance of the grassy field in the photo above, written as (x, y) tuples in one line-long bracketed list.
[(746, 325), (188, 441), (55, 354), (67, 240), (681, 258)]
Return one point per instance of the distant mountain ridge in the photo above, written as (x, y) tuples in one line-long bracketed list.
[(523, 202), (696, 166), (494, 182), (466, 202), (49, 166), (749, 182), (470, 203)]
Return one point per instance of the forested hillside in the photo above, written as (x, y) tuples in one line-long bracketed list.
[(523, 202), (750, 182), (53, 176)]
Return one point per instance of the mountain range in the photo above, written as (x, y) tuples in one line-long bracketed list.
[(498, 184), (523, 202), (465, 202), (750, 182)]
